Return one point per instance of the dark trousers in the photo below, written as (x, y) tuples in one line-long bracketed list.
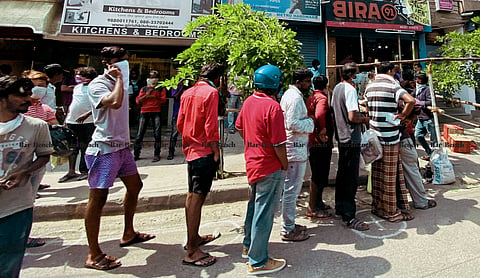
[(142, 128), (320, 157), (84, 134), (173, 135), (14, 232), (347, 181)]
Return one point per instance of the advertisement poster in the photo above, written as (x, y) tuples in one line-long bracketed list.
[(138, 18), (406, 15), (294, 10), (444, 5)]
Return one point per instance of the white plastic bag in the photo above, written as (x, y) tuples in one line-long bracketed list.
[(371, 148), (442, 167)]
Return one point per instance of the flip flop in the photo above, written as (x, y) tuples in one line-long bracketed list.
[(139, 237), (35, 242), (207, 239), (67, 177), (195, 263), (104, 262), (430, 204)]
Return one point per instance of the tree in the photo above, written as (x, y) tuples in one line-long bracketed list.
[(450, 76), (242, 40)]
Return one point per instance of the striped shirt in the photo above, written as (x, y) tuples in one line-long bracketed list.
[(383, 95)]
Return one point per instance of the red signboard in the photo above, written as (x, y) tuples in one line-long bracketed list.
[(370, 15)]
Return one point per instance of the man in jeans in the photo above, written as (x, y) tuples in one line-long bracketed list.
[(26, 146), (198, 124), (425, 122), (260, 123), (348, 122), (297, 125), (234, 102), (151, 99)]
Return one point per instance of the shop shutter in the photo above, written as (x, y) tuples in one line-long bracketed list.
[(309, 36)]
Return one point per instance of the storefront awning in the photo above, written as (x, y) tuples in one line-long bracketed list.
[(41, 16)]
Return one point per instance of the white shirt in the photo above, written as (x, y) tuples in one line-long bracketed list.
[(80, 105), (49, 98), (297, 124)]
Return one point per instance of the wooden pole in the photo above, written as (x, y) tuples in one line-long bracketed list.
[(431, 60), (461, 120)]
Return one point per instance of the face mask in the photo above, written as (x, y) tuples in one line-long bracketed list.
[(152, 82), (78, 79), (38, 92)]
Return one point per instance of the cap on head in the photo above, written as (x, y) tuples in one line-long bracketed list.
[(267, 77), (111, 52), (53, 69)]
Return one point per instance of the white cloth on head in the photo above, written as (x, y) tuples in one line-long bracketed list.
[(39, 92)]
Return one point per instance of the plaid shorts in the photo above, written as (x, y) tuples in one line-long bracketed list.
[(105, 168)]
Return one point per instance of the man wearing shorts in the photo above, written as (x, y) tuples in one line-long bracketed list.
[(108, 155), (198, 124)]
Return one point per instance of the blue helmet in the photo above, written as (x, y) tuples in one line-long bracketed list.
[(267, 77)]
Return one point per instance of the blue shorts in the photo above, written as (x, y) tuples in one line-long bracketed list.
[(105, 168)]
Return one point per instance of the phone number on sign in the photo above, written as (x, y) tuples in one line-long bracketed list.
[(134, 21)]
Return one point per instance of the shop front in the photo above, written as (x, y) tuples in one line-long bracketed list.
[(367, 31)]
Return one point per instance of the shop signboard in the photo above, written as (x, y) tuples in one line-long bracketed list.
[(137, 18), (406, 15), (294, 10), (444, 5)]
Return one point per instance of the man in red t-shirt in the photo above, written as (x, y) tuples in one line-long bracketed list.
[(261, 125), (151, 100), (198, 124)]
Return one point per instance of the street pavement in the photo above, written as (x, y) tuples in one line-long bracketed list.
[(439, 242)]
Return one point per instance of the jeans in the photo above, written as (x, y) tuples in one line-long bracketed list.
[(292, 187), (173, 136), (142, 128), (413, 178), (14, 232), (262, 205), (233, 102), (347, 181), (84, 133), (423, 127)]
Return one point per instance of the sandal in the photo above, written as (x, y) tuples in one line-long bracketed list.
[(430, 204), (68, 177), (295, 235), (104, 262), (139, 237), (425, 157), (206, 239), (320, 214), (400, 217), (199, 262), (356, 224)]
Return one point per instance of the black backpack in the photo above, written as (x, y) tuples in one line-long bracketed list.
[(64, 140)]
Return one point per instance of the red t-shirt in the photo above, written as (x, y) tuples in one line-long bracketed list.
[(317, 106), (41, 111), (151, 104), (261, 120), (198, 120)]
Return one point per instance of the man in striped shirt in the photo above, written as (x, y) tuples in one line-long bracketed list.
[(383, 96)]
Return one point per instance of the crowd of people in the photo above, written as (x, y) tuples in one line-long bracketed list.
[(279, 138)]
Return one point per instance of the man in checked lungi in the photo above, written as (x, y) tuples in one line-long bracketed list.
[(389, 194)]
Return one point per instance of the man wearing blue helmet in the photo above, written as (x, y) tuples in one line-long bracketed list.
[(260, 124)]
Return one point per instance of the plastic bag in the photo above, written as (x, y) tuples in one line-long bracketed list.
[(371, 148), (442, 167)]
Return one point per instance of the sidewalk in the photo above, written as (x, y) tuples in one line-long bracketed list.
[(165, 182)]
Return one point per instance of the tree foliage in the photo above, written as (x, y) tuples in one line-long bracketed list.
[(450, 76), (242, 40)]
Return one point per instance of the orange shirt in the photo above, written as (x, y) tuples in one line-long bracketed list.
[(151, 104)]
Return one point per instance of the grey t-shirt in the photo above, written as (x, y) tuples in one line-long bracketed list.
[(345, 100), (17, 150), (111, 125)]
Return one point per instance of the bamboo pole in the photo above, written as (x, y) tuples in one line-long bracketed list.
[(460, 120), (459, 101), (434, 105), (431, 60)]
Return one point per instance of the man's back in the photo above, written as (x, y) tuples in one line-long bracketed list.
[(262, 122), (383, 95), (345, 100), (198, 120)]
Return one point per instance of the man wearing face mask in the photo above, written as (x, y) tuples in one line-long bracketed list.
[(151, 100), (108, 155)]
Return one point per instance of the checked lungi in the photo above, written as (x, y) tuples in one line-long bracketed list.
[(389, 194)]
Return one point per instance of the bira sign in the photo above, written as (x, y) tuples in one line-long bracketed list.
[(371, 15)]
